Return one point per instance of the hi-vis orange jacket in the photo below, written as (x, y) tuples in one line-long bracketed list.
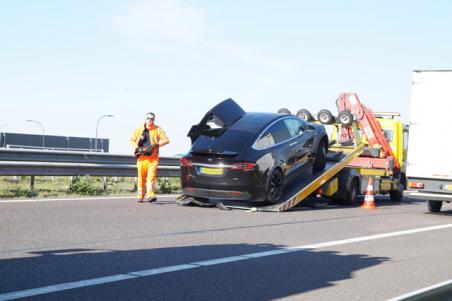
[(156, 135)]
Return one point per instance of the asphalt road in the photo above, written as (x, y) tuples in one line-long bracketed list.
[(117, 249)]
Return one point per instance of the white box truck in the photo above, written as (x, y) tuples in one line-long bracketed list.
[(429, 167)]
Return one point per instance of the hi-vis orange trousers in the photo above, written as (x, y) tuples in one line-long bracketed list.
[(147, 170)]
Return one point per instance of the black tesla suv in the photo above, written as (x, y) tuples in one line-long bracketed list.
[(243, 156)]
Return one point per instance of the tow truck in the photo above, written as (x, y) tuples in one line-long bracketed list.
[(362, 146)]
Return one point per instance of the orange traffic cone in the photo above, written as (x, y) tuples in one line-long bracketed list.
[(369, 201)]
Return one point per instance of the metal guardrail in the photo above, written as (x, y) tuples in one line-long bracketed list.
[(25, 162)]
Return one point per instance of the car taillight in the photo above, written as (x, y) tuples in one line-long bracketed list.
[(245, 166), (185, 162), (417, 185)]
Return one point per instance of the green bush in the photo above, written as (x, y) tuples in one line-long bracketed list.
[(82, 186), (164, 185)]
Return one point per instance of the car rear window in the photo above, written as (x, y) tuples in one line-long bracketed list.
[(231, 140)]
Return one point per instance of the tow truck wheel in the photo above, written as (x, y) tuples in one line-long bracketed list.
[(325, 117), (434, 206), (345, 118), (304, 114), (284, 111), (397, 195), (275, 186), (351, 194)]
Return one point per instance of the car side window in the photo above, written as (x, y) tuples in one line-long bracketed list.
[(296, 127), (277, 133), (265, 141)]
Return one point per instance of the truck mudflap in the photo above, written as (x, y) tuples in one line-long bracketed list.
[(295, 193)]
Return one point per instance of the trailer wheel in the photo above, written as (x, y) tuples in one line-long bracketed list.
[(305, 115), (325, 117), (397, 195), (345, 118), (434, 206), (284, 111)]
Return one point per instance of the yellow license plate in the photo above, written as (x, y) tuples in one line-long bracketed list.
[(448, 187), (211, 171)]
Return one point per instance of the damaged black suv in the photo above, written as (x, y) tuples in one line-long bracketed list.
[(244, 156)]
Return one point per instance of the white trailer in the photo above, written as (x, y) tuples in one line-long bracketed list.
[(429, 167)]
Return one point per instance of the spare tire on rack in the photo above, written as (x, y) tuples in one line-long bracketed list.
[(325, 117), (304, 114), (284, 111), (345, 118)]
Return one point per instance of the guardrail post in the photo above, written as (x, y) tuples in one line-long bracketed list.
[(135, 184), (105, 184), (32, 183)]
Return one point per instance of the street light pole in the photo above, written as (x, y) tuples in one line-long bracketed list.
[(1, 133), (42, 128), (97, 127)]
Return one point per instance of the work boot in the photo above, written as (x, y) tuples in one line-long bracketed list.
[(152, 199), (140, 201)]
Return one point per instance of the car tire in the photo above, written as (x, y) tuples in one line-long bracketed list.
[(275, 186), (284, 111), (325, 117), (345, 118), (305, 115), (320, 157), (434, 206)]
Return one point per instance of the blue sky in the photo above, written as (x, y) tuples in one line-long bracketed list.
[(66, 63)]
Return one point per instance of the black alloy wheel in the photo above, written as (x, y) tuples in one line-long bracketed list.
[(276, 186), (320, 157)]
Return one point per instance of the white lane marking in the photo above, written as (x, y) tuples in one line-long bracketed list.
[(64, 286), (81, 199), (198, 264), (420, 291), (220, 260), (169, 269)]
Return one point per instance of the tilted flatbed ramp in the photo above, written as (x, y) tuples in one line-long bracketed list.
[(337, 159)]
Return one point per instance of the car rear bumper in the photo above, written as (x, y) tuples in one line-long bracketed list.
[(217, 194)]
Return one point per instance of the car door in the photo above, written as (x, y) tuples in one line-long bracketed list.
[(285, 146), (302, 138)]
